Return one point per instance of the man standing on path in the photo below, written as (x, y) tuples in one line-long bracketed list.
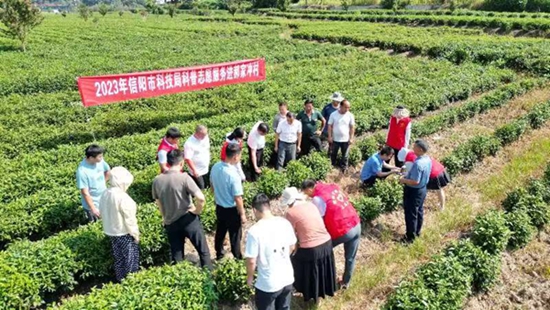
[(91, 179), (228, 195), (197, 155), (341, 220), (372, 169), (168, 143), (330, 108), (288, 134), (268, 246), (341, 131), (310, 119), (415, 190), (281, 116), (173, 192)]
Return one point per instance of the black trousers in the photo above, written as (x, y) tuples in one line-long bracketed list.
[(309, 142), (259, 162), (368, 183), (336, 147), (228, 220), (199, 181), (188, 226), (279, 300), (413, 203)]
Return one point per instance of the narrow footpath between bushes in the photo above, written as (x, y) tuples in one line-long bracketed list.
[(382, 264)]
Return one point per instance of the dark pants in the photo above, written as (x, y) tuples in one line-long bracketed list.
[(308, 142), (413, 202), (90, 216), (259, 163), (285, 153), (368, 183), (199, 181), (336, 147), (188, 226), (126, 255), (228, 219), (279, 300)]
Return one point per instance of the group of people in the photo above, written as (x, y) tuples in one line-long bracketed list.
[(295, 250)]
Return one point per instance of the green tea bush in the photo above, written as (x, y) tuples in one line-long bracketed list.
[(368, 147), (511, 132), (208, 215), (318, 163), (297, 172), (272, 183), (389, 192), (17, 290), (449, 279), (483, 146), (484, 267), (535, 206), (369, 208), (538, 188), (538, 116), (250, 190), (522, 231), (412, 294), (230, 281), (355, 156), (490, 232), (181, 286)]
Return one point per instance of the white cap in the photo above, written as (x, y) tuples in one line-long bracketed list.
[(402, 154), (290, 195)]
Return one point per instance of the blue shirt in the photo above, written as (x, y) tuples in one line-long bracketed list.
[(326, 112), (91, 177), (372, 166), (420, 171), (227, 184)]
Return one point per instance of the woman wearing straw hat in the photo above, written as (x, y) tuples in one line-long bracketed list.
[(399, 131), (313, 261)]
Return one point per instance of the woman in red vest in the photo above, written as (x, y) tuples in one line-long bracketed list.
[(168, 143), (237, 136), (399, 131), (341, 220), (439, 178)]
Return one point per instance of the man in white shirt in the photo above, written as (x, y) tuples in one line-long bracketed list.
[(256, 144), (287, 135), (268, 246), (197, 155), (341, 131)]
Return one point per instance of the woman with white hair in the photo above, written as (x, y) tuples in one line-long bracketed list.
[(118, 211), (313, 261), (399, 131)]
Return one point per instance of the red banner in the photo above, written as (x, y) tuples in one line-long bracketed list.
[(97, 90)]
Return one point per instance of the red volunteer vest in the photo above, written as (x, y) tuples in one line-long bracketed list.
[(397, 131), (165, 146), (437, 167), (340, 215)]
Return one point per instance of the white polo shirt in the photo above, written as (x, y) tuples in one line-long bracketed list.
[(199, 152), (255, 140), (289, 133), (341, 124)]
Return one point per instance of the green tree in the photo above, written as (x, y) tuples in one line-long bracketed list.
[(103, 9), (84, 11), (172, 10), (233, 6), (19, 17)]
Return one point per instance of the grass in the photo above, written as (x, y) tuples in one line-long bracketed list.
[(373, 277)]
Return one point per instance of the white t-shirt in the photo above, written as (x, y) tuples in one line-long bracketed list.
[(255, 140), (289, 133), (320, 204), (199, 152), (269, 241), (341, 124)]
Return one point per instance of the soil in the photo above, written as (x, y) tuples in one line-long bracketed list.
[(524, 282)]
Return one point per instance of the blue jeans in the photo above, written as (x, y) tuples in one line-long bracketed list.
[(351, 244), (413, 203)]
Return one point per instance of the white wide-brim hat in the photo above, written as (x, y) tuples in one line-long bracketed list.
[(290, 195), (337, 97)]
